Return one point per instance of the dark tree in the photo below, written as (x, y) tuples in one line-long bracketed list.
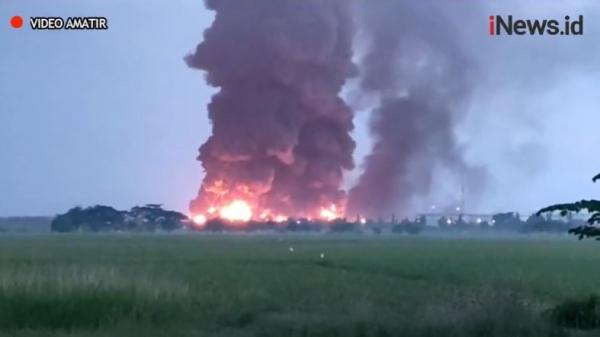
[(215, 225), (444, 222), (303, 225), (410, 227), (401, 227), (341, 226), (537, 223), (591, 227), (95, 219), (153, 217), (509, 221), (104, 218)]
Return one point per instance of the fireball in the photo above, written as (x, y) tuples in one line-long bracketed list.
[(199, 219), (280, 218), (264, 215), (237, 210), (330, 213)]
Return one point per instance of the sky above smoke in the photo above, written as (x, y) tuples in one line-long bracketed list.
[(116, 117)]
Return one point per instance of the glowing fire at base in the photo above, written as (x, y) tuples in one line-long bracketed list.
[(330, 213), (199, 220), (280, 218), (238, 210)]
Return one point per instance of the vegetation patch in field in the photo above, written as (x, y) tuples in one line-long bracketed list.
[(74, 298), (578, 314)]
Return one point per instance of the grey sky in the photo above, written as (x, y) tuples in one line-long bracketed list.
[(115, 117)]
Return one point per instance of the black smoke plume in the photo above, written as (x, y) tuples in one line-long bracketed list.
[(422, 81), (280, 132)]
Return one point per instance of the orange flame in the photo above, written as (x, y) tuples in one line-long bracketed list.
[(280, 218), (237, 210), (330, 213), (244, 208), (199, 220)]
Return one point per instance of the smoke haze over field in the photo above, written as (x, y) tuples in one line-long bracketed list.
[(515, 117)]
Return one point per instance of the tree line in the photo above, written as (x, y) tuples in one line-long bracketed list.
[(101, 218), (590, 228)]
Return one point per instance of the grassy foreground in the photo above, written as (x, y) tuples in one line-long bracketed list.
[(176, 285)]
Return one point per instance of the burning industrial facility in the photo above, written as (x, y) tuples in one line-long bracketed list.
[(281, 133)]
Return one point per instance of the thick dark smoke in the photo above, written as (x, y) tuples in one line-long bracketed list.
[(422, 80), (280, 132)]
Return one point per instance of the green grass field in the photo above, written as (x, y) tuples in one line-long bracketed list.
[(177, 285)]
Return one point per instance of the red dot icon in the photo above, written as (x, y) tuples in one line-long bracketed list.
[(16, 22)]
